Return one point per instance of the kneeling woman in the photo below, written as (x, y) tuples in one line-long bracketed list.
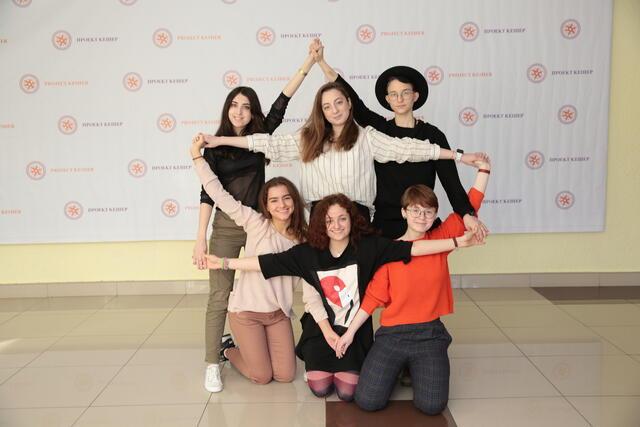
[(338, 260), (414, 295), (259, 315)]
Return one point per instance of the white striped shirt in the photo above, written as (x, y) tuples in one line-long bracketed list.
[(348, 172)]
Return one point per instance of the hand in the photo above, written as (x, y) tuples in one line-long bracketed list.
[(332, 339), (470, 158), (316, 50), (196, 145), (483, 164), (473, 224), (212, 141), (199, 252), (213, 262), (468, 239), (343, 344)]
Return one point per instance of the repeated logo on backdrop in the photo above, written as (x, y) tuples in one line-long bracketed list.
[(567, 114), (132, 82), (29, 83), (365, 34)]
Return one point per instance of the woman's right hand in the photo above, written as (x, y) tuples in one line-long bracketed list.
[(196, 145), (343, 344), (483, 164), (316, 49), (468, 239), (213, 262), (199, 253), (332, 339)]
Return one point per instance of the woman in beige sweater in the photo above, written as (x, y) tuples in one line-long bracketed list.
[(259, 309)]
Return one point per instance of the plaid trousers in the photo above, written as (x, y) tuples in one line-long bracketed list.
[(423, 348)]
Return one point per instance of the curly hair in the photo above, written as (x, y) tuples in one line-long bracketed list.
[(317, 234), (298, 224)]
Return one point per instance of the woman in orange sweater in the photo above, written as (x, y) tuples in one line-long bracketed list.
[(414, 295)]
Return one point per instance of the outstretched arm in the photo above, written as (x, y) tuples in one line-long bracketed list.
[(429, 247), (243, 264)]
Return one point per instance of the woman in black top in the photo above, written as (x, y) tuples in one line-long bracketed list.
[(338, 260), (402, 90), (242, 174)]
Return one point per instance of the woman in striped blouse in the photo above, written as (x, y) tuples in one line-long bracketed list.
[(337, 155)]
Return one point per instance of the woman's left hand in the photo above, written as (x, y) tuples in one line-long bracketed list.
[(196, 145), (468, 239), (469, 159)]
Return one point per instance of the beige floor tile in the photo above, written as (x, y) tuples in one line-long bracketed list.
[(467, 316), (18, 352), (627, 338), (39, 417), (18, 304), (5, 373), (55, 387), (604, 314), (6, 315), (636, 357), (560, 340), (520, 316), (43, 324), (591, 375), (156, 385), (142, 416), (481, 342), (497, 377), (171, 350), (194, 301), (512, 412), (90, 351), (459, 295), (609, 411), (238, 389), (308, 414), (183, 321), (70, 304), (498, 296), (121, 322), (159, 302)]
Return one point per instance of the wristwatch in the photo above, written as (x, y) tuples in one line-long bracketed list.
[(459, 153)]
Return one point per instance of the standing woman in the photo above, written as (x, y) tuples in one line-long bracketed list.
[(338, 260), (337, 155), (402, 90), (242, 174), (259, 309), (415, 296)]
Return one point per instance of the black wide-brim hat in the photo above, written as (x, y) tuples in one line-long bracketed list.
[(414, 76)]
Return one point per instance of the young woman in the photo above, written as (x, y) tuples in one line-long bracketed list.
[(402, 90), (338, 156), (242, 174), (259, 315), (415, 296), (337, 262)]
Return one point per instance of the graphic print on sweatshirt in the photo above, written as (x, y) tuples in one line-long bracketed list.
[(340, 287)]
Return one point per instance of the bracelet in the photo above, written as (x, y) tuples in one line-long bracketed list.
[(301, 71), (225, 263), (196, 158), (458, 155), (487, 171), (455, 242)]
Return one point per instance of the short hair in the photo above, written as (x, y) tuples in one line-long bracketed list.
[(419, 194)]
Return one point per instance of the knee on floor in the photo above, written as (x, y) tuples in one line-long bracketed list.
[(430, 407), (262, 377), (370, 405)]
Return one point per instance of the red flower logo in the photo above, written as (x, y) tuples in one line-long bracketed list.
[(536, 73), (469, 31), (137, 168), (36, 170), (434, 75), (570, 29), (162, 38), (29, 83), (166, 122), (565, 199), (67, 125), (170, 208), (132, 82), (73, 210), (231, 79), (265, 36), (61, 40), (468, 116), (534, 160), (366, 33), (567, 114)]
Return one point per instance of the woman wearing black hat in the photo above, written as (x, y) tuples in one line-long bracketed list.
[(402, 90)]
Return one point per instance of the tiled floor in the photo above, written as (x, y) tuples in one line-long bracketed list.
[(559, 357)]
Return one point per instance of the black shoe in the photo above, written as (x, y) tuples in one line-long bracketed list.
[(227, 342)]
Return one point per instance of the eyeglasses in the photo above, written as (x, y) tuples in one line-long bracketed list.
[(427, 213), (404, 94)]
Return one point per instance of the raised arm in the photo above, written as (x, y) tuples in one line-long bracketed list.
[(298, 77), (482, 177), (363, 115)]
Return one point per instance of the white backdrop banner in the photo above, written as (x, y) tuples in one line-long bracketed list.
[(100, 99)]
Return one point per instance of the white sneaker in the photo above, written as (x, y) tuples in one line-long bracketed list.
[(212, 379)]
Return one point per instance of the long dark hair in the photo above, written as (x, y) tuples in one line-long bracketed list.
[(255, 125), (298, 225), (317, 235), (317, 130)]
